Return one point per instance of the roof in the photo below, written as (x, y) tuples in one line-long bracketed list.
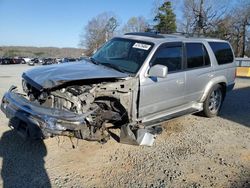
[(160, 38)]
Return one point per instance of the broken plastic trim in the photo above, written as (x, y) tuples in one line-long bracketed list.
[(137, 137)]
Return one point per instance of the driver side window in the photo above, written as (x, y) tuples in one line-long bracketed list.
[(170, 56)]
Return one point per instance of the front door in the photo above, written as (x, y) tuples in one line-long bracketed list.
[(160, 94)]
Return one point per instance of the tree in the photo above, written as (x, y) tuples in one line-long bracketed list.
[(110, 27), (98, 30), (234, 27), (245, 23), (201, 16), (165, 18), (135, 24)]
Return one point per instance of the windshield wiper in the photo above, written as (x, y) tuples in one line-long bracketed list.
[(93, 60), (114, 67)]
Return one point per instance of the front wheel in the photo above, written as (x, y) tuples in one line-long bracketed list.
[(213, 102)]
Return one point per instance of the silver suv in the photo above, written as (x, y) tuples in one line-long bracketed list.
[(133, 82)]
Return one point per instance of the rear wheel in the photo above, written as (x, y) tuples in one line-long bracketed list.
[(213, 102)]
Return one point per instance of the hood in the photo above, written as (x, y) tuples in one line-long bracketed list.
[(50, 76)]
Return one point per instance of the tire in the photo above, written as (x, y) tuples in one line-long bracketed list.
[(213, 102)]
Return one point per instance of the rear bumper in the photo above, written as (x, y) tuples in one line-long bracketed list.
[(41, 122)]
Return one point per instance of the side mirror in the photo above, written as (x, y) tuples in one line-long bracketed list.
[(158, 71)]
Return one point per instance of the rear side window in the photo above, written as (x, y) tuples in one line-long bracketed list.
[(222, 52), (197, 55), (170, 56)]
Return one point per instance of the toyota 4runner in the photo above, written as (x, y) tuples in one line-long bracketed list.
[(133, 82)]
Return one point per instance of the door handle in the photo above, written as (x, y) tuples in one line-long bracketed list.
[(210, 75), (180, 82)]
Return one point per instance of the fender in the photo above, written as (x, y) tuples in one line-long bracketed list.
[(210, 84)]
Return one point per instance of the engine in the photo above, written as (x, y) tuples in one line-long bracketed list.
[(77, 99), (74, 98), (81, 99)]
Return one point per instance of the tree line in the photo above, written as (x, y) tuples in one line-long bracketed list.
[(205, 18), (43, 52)]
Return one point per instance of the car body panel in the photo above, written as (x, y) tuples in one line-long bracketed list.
[(198, 81), (159, 94), (55, 75)]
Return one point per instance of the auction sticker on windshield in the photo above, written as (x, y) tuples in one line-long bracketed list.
[(142, 46)]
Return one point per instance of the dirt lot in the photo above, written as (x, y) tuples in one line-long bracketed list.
[(192, 152)]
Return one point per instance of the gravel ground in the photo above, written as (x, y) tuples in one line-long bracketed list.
[(192, 151)]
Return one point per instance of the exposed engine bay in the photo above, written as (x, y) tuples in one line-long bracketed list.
[(103, 105)]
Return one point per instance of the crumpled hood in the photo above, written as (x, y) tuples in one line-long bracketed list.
[(50, 76)]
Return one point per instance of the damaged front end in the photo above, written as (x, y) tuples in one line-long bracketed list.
[(84, 111), (39, 122)]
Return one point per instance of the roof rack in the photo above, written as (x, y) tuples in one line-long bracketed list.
[(161, 35), (146, 34)]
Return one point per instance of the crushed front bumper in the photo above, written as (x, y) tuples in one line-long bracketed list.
[(40, 122)]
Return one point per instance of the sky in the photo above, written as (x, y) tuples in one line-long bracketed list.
[(59, 23)]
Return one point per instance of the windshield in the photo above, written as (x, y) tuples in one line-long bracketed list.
[(124, 55)]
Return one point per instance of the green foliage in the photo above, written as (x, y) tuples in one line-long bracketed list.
[(166, 19)]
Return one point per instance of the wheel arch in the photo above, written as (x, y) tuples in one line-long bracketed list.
[(218, 80), (117, 105)]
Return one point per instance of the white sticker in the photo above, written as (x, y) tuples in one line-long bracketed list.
[(142, 46)]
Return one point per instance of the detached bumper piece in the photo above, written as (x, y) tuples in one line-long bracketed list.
[(141, 136), (40, 122)]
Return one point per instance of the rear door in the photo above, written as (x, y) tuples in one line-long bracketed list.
[(159, 94), (198, 70)]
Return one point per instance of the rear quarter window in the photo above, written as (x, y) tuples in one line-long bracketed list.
[(222, 52)]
